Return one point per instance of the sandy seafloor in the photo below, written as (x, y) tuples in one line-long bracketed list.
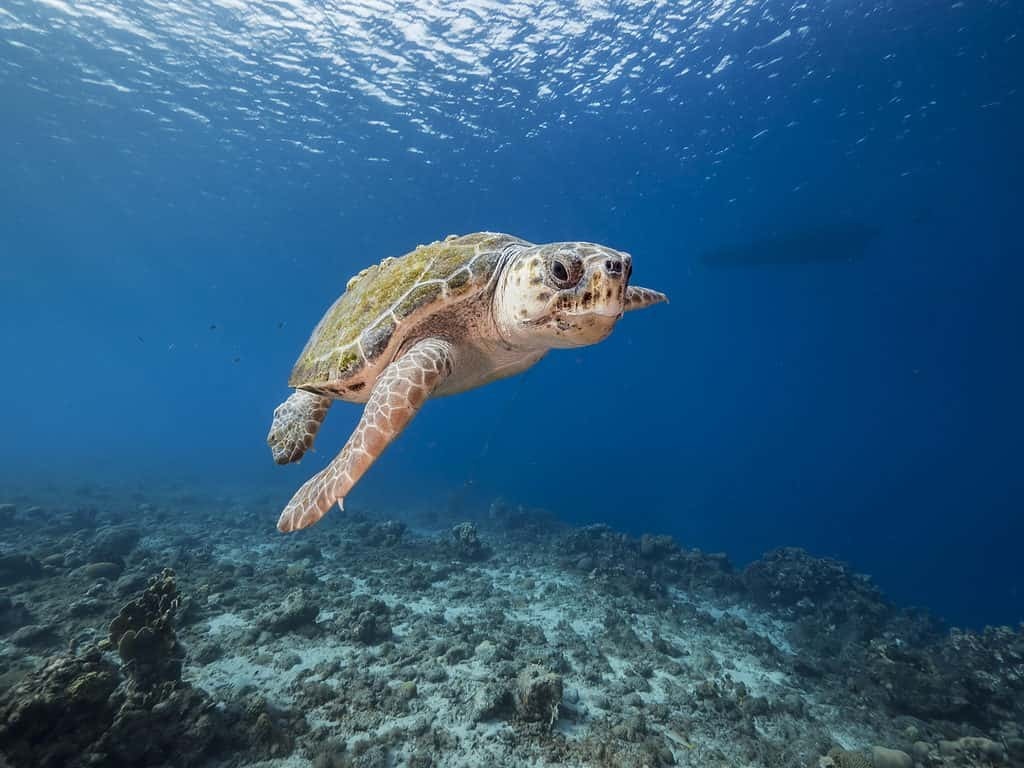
[(385, 638)]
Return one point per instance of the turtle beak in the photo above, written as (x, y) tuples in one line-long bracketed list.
[(601, 312)]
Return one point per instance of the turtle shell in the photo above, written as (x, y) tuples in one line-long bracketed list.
[(383, 302)]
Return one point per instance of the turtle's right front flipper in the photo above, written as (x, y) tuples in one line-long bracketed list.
[(296, 422), (396, 397)]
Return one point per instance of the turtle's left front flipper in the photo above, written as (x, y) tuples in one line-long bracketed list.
[(396, 397), (638, 298), (296, 422)]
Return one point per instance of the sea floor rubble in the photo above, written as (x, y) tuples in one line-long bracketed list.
[(181, 629)]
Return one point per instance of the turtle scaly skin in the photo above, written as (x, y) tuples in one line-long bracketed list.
[(296, 422), (447, 317)]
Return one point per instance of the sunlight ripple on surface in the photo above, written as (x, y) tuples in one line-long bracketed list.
[(440, 69)]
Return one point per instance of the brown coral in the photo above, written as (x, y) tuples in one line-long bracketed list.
[(143, 634)]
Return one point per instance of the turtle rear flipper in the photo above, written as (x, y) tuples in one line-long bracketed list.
[(398, 394), (296, 422)]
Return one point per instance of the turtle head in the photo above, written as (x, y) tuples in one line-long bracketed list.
[(563, 294)]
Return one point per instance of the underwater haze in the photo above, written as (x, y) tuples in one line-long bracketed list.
[(829, 193)]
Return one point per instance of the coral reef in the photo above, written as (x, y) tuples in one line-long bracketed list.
[(296, 613), (143, 634), (59, 714), (82, 710), (466, 543), (791, 580), (112, 544), (373, 641), (644, 567), (18, 567), (79, 710), (367, 621), (386, 534), (13, 615), (961, 676), (538, 694)]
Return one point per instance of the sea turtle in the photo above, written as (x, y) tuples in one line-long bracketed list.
[(445, 318)]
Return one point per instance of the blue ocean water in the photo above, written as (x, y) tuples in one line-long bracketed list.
[(829, 193)]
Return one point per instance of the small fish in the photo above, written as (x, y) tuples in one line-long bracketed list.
[(281, 324), (141, 339), (236, 359), (213, 326)]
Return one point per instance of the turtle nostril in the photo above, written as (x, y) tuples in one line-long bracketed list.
[(613, 266)]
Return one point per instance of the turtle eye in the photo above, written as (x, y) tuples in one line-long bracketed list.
[(559, 271)]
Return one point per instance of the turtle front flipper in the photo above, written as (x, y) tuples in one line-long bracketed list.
[(296, 422), (638, 298), (396, 397)]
